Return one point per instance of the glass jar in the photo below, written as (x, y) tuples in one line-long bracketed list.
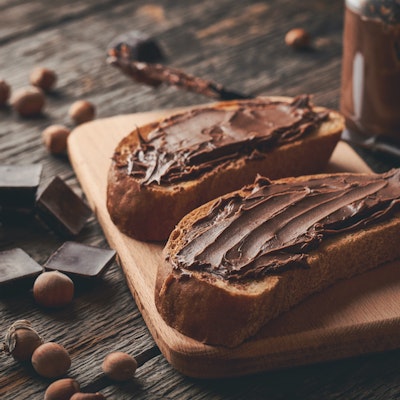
[(370, 92)]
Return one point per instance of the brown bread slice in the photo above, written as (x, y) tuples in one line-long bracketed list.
[(203, 303), (151, 211)]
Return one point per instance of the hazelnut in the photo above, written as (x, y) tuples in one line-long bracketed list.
[(82, 111), (55, 138), (62, 389), (53, 289), (21, 340), (28, 102), (51, 360), (298, 38), (119, 366), (88, 396), (43, 78), (5, 92)]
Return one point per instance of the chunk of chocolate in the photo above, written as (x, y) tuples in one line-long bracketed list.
[(138, 46), (18, 187), (74, 258), (62, 209), (16, 265)]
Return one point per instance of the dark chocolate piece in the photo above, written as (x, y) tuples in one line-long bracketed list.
[(16, 265), (80, 259), (137, 46), (62, 209), (18, 187)]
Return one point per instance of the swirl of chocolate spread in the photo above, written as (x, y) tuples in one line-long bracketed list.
[(274, 225), (190, 144)]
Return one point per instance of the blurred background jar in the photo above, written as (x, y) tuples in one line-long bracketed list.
[(370, 92)]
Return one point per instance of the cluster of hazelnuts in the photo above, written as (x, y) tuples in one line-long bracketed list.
[(54, 289), (52, 360), (30, 102)]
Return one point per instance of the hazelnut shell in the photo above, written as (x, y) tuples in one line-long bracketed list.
[(55, 138), (82, 111), (44, 78), (21, 340), (298, 38), (53, 289), (62, 389), (28, 102), (51, 360), (119, 366)]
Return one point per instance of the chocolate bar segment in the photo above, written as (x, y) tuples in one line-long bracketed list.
[(16, 265), (138, 46), (18, 187), (62, 209), (74, 258)]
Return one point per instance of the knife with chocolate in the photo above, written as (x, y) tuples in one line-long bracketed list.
[(138, 56)]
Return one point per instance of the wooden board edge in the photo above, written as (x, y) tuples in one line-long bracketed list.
[(343, 343)]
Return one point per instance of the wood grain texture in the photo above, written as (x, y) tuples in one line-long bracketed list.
[(341, 322), (239, 44)]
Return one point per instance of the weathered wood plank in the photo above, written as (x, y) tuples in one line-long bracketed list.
[(237, 43)]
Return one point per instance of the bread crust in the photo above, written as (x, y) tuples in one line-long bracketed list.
[(151, 212), (219, 312)]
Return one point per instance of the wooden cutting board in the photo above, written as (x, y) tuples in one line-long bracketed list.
[(357, 316)]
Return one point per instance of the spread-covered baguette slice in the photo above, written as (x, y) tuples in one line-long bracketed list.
[(162, 171), (238, 261)]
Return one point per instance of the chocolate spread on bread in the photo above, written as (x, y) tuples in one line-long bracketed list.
[(273, 225), (188, 145)]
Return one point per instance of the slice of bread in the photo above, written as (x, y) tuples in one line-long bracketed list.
[(147, 206), (240, 260)]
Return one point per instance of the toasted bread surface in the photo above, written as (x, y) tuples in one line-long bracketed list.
[(150, 212), (218, 311)]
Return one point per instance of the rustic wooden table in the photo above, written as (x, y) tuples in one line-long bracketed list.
[(240, 44)]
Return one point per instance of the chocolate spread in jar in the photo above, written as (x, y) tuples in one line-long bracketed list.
[(271, 227), (370, 95), (188, 145)]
